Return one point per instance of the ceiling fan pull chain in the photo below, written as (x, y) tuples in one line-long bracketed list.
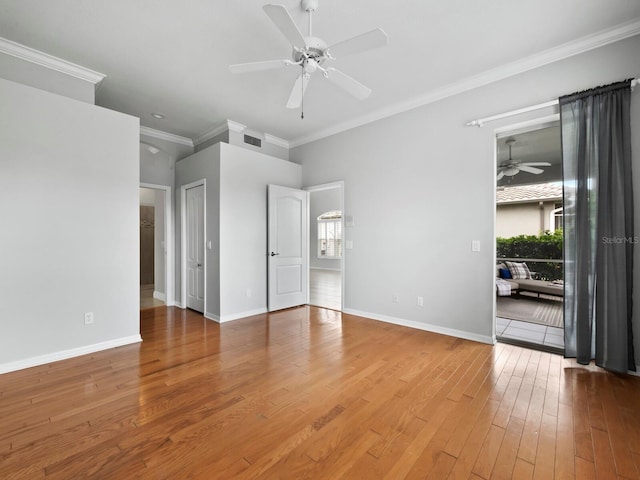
[(302, 97)]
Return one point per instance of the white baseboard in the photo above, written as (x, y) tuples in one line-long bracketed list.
[(237, 316), (424, 326), (323, 268), (65, 354), (159, 296)]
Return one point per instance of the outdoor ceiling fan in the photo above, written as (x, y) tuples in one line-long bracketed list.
[(310, 53), (512, 167)]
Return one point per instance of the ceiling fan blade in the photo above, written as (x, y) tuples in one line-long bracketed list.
[(500, 175), (282, 19), (366, 41), (258, 66), (347, 83), (297, 92), (525, 168), (536, 164)]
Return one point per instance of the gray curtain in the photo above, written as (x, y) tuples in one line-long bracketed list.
[(598, 226)]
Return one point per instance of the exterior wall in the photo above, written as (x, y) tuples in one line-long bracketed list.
[(523, 218)]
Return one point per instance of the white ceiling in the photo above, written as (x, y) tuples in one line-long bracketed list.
[(172, 56)]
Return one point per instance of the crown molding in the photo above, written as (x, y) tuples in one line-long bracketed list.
[(227, 125), (208, 135), (49, 61), (555, 54), (170, 137), (280, 142), (235, 126)]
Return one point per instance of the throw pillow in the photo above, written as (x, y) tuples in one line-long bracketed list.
[(519, 271), (505, 273)]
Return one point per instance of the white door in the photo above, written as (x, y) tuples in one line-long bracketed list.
[(288, 251), (195, 247)]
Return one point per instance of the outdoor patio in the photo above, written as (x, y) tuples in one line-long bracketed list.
[(528, 319)]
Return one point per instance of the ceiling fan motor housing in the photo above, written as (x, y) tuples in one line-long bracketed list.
[(314, 52), (309, 5)]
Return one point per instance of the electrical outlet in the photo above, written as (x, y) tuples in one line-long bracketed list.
[(395, 298), (248, 292), (421, 301), (88, 318)]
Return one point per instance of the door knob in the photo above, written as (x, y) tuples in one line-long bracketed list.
[(274, 254), (199, 264)]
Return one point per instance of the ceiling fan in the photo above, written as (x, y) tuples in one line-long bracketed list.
[(512, 167), (310, 53)]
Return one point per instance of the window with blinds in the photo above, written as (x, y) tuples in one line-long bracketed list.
[(330, 235)]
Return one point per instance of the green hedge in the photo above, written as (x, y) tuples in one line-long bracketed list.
[(548, 245)]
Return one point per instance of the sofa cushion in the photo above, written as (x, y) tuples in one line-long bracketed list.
[(519, 270), (541, 286)]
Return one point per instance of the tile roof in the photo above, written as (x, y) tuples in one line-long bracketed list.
[(529, 193)]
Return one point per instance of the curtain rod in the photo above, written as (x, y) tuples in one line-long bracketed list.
[(481, 121)]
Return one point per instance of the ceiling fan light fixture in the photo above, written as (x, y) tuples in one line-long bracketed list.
[(510, 171), (310, 65)]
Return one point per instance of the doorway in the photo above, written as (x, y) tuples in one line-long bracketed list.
[(528, 230), (326, 244), (156, 254)]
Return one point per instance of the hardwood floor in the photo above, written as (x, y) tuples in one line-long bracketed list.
[(325, 288), (310, 393)]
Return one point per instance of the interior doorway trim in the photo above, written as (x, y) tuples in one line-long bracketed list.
[(317, 188), (169, 258), (183, 241)]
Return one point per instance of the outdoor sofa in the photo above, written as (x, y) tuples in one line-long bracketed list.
[(519, 285)]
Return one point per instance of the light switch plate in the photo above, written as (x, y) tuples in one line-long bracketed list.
[(475, 246)]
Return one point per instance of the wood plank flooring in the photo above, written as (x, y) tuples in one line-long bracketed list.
[(310, 393)]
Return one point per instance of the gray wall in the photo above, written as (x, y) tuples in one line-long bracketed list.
[(204, 164), (69, 241), (244, 178), (223, 137), (237, 139), (159, 168), (29, 73), (423, 184), (236, 224), (321, 201)]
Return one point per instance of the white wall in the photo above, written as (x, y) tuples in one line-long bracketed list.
[(69, 241), (321, 201), (244, 176), (424, 184)]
